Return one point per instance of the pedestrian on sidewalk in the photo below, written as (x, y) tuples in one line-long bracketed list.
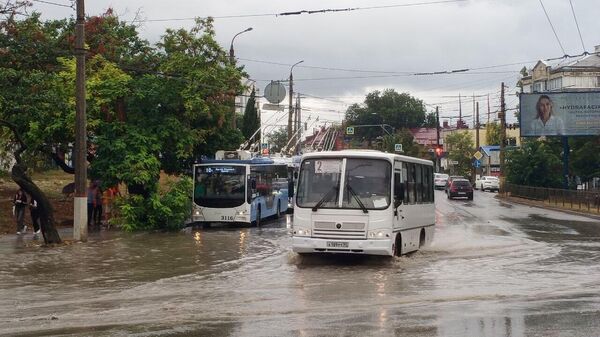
[(98, 206), (20, 203), (92, 190), (35, 216)]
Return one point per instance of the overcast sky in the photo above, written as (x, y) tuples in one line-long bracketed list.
[(389, 42)]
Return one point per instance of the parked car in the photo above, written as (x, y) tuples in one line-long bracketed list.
[(489, 183), (450, 178), (460, 188), (440, 180)]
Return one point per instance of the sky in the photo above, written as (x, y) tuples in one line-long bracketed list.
[(381, 45)]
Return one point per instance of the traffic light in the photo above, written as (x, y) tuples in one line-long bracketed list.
[(438, 151)]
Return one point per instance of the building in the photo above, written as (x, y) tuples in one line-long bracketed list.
[(582, 74)]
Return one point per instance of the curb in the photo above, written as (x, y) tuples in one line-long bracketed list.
[(523, 201)]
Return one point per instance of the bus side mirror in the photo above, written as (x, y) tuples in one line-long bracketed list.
[(295, 175), (253, 184)]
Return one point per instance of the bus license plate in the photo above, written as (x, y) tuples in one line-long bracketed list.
[(337, 244)]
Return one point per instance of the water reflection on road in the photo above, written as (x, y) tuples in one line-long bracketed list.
[(492, 271)]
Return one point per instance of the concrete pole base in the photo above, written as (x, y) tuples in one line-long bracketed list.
[(80, 229)]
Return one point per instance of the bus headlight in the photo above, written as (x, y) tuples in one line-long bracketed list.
[(242, 213), (197, 214), (302, 232), (379, 234)]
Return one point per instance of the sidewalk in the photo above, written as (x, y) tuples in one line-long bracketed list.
[(542, 204)]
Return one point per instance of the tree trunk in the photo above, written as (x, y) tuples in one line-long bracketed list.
[(19, 175)]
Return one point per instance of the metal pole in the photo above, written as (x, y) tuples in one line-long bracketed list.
[(502, 117), (437, 143), (291, 107), (565, 142), (80, 200), (232, 61)]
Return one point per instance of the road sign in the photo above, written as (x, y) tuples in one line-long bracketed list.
[(264, 145), (454, 162), (477, 155), (350, 130), (397, 147), (276, 107), (274, 92), (477, 163)]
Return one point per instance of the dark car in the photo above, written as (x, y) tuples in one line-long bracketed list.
[(449, 181), (460, 188)]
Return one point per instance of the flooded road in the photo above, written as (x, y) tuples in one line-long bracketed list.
[(494, 269)]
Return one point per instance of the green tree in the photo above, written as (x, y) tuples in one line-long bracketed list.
[(409, 146), (460, 149), (585, 157), (493, 134), (387, 107), (535, 163), (251, 121), (277, 139)]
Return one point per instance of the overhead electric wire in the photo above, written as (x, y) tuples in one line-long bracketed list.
[(300, 12), (72, 5), (552, 26), (577, 24)]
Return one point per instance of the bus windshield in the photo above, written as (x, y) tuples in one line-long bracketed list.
[(220, 186), (367, 183)]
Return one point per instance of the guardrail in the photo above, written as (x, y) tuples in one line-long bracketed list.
[(586, 201)]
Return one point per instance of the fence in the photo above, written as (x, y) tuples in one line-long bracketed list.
[(586, 201)]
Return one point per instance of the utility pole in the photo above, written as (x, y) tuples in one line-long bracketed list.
[(291, 97), (298, 125), (488, 119), (459, 113), (477, 126), (232, 61), (502, 116), (80, 219), (437, 145)]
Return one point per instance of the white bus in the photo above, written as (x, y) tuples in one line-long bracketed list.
[(239, 191), (363, 202)]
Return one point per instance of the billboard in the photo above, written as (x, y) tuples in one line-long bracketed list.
[(560, 114)]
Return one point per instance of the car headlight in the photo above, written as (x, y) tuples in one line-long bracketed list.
[(302, 232), (379, 234)]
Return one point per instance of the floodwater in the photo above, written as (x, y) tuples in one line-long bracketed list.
[(494, 269)]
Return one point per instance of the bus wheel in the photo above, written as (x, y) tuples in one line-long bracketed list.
[(258, 215), (398, 245), (422, 238), (278, 212)]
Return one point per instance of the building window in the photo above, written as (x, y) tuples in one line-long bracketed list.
[(555, 84), (538, 86)]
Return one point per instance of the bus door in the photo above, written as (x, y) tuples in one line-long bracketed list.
[(399, 193)]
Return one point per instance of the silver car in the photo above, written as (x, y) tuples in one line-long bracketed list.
[(440, 180)]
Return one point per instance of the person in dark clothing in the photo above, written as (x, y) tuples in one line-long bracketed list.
[(91, 202), (20, 203), (98, 206), (35, 216)]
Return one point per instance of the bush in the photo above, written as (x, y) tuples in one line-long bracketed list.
[(161, 211)]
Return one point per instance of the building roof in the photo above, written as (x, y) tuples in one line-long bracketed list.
[(488, 149)]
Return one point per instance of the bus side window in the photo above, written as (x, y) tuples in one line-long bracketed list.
[(398, 189)]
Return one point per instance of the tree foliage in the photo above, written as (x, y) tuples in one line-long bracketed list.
[(277, 139), (460, 149), (409, 146), (149, 108), (387, 107), (493, 134), (251, 121), (535, 163)]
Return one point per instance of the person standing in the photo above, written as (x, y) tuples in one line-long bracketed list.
[(91, 202), (98, 206), (20, 203), (35, 216)]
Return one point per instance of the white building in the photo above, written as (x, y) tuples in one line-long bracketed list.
[(582, 74)]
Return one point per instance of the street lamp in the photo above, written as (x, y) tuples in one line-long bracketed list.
[(289, 128), (232, 61), (231, 53)]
